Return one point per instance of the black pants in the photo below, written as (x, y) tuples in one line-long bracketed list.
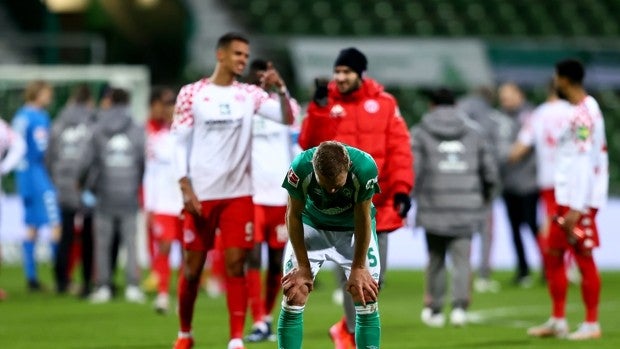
[(521, 209), (63, 256)]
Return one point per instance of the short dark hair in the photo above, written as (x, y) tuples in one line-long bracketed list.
[(572, 69), (118, 96), (258, 64), (330, 159), (82, 94), (158, 92), (442, 96), (225, 40)]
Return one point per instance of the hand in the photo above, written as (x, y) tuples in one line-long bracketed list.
[(362, 287), (191, 204), (402, 204), (271, 79), (320, 91), (297, 285), (569, 222)]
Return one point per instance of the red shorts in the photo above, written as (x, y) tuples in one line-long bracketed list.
[(234, 218), (587, 225), (548, 199), (270, 225), (167, 227)]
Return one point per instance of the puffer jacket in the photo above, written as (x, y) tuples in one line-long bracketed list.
[(368, 119)]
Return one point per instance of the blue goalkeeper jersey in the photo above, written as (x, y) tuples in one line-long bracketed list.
[(33, 124)]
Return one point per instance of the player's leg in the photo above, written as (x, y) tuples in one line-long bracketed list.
[(33, 212), (165, 228), (290, 323), (435, 285), (236, 223), (63, 255), (254, 279), (86, 240), (459, 249), (129, 228), (514, 207), (103, 245)]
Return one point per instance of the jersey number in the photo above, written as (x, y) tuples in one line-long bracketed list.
[(372, 259)]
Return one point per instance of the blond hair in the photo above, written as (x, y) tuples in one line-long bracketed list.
[(34, 88)]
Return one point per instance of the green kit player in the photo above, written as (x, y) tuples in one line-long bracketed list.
[(330, 216)]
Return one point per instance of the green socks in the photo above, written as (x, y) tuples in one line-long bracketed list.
[(291, 327), (367, 326)]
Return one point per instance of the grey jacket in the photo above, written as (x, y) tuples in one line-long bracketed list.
[(520, 177), (71, 133), (455, 172), (115, 162)]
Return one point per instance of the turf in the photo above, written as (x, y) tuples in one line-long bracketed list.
[(45, 320)]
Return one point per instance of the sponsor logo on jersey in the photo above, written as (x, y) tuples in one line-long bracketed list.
[(371, 106), (292, 178), (371, 182), (337, 111)]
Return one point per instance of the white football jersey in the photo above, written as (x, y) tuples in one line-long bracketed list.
[(213, 130), (542, 131), (162, 194), (582, 174)]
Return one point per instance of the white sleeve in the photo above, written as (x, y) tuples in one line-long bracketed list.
[(17, 149), (182, 130), (581, 174), (267, 107), (527, 134)]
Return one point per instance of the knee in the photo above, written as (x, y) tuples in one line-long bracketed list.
[(235, 265)]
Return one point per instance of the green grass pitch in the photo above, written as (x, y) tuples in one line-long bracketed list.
[(48, 321)]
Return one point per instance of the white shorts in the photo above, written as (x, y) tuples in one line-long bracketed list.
[(336, 246)]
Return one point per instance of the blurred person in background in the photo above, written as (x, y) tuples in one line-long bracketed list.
[(115, 165), (162, 198), (34, 184), (330, 216), (12, 149), (581, 185), (272, 153), (519, 186), (213, 128), (495, 127), (542, 133), (71, 134), (456, 173), (355, 109)]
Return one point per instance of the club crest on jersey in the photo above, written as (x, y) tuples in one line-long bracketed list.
[(337, 111), (292, 178), (583, 133), (371, 106)]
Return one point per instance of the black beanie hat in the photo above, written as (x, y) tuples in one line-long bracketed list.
[(352, 58)]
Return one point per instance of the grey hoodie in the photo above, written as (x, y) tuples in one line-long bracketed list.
[(115, 162), (455, 172), (520, 177), (71, 133)]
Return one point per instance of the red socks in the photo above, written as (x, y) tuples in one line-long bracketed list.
[(255, 294), (237, 302), (590, 285), (162, 267), (557, 284)]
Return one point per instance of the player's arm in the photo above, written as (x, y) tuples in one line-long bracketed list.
[(399, 166), (361, 285), (271, 80), (17, 149), (518, 151), (524, 143), (297, 283)]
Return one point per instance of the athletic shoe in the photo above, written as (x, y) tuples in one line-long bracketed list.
[(102, 294), (134, 294), (261, 332), (235, 343), (162, 303), (552, 328), (340, 335), (587, 330), (35, 286), (485, 285), (458, 317), (184, 343), (432, 319)]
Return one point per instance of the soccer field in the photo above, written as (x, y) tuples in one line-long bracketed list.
[(46, 320)]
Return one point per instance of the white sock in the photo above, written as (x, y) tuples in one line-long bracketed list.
[(185, 334)]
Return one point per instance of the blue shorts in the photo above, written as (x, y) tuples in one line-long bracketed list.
[(42, 209)]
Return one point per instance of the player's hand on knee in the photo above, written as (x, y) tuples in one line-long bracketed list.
[(297, 285), (362, 287)]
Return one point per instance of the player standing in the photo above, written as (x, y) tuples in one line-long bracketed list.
[(213, 127), (581, 183)]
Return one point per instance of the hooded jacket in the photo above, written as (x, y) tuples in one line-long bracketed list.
[(115, 162), (71, 134), (455, 172), (368, 119)]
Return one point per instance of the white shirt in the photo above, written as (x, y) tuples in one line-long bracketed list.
[(213, 129), (272, 153), (162, 194), (542, 131), (582, 175), (13, 145)]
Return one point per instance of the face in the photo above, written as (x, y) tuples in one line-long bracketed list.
[(163, 109), (560, 84), (44, 98), (510, 97), (332, 185), (346, 79), (234, 58), (255, 77)]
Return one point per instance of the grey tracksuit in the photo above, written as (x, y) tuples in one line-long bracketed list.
[(455, 175), (116, 166)]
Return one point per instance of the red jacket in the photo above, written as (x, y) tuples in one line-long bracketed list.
[(368, 119)]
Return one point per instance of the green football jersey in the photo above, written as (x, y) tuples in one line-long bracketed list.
[(332, 211)]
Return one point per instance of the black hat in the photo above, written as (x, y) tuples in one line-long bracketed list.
[(352, 58)]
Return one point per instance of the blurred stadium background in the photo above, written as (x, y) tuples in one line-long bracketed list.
[(412, 45)]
